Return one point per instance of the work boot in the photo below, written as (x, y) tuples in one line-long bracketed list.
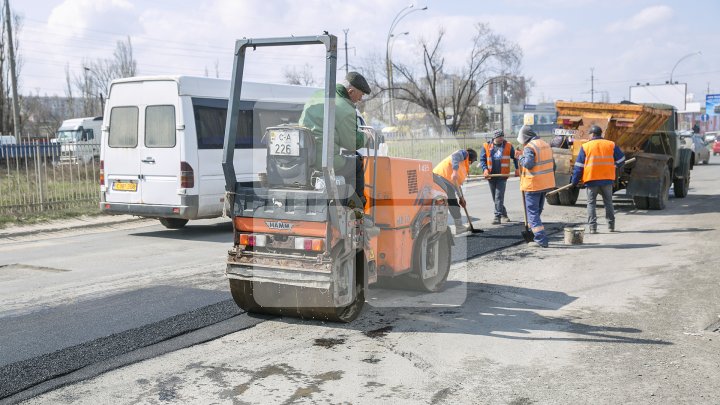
[(593, 229), (536, 245), (505, 218), (496, 221), (611, 226)]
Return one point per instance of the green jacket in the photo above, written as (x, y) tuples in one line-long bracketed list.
[(347, 135)]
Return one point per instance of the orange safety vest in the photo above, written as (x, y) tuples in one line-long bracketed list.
[(541, 176), (504, 162), (444, 169), (599, 160)]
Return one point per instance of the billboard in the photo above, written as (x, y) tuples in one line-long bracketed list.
[(712, 105), (673, 94)]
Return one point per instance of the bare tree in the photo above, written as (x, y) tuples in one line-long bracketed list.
[(450, 93), (94, 80), (303, 77)]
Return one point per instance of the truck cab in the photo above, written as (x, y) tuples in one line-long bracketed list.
[(79, 139)]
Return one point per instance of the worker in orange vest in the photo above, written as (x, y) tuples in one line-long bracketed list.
[(537, 177), (450, 174), (495, 159), (596, 165)]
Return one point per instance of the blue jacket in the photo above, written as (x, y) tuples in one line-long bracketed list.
[(578, 170), (496, 152)]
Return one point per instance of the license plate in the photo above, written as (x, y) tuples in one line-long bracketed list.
[(285, 143), (125, 186), (565, 132)]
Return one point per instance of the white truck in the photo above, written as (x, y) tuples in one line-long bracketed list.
[(162, 143), (79, 139)]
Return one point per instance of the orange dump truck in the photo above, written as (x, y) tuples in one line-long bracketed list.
[(644, 132)]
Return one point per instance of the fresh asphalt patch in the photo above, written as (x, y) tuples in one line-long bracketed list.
[(28, 378), (468, 246)]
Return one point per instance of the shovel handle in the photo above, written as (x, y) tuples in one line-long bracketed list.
[(557, 190)]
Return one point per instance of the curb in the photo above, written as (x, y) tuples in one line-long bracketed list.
[(60, 227)]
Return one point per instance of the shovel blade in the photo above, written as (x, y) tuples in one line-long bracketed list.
[(528, 236)]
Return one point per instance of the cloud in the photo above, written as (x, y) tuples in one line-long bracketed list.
[(645, 18), (535, 38), (75, 17)]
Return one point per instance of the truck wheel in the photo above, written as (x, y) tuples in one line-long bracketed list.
[(641, 202), (681, 186), (173, 223), (431, 261), (569, 197), (659, 202), (553, 199)]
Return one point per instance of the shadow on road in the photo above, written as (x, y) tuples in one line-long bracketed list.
[(219, 232), (686, 230), (611, 246), (494, 310)]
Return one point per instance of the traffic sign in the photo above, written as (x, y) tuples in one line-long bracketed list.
[(704, 118)]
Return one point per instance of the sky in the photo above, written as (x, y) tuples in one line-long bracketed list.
[(622, 42)]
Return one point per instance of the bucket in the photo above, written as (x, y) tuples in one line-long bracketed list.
[(574, 236)]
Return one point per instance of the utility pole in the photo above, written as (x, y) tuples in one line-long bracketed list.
[(346, 50), (502, 105), (13, 77), (592, 85)]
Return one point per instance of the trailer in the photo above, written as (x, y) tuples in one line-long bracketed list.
[(646, 133)]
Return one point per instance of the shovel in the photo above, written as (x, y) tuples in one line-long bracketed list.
[(527, 234), (557, 190), (472, 228)]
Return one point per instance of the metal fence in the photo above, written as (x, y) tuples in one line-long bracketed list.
[(432, 149), (41, 176)]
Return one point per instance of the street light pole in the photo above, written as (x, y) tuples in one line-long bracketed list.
[(503, 83), (680, 60), (346, 51), (388, 62)]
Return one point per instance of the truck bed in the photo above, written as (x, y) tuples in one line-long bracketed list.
[(628, 125)]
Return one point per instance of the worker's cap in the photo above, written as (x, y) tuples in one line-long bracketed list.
[(357, 80), (595, 130), (525, 134), (472, 155), (497, 133)]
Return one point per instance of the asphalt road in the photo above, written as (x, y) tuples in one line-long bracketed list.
[(137, 293)]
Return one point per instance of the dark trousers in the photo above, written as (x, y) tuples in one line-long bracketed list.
[(453, 198), (354, 174), (497, 190)]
